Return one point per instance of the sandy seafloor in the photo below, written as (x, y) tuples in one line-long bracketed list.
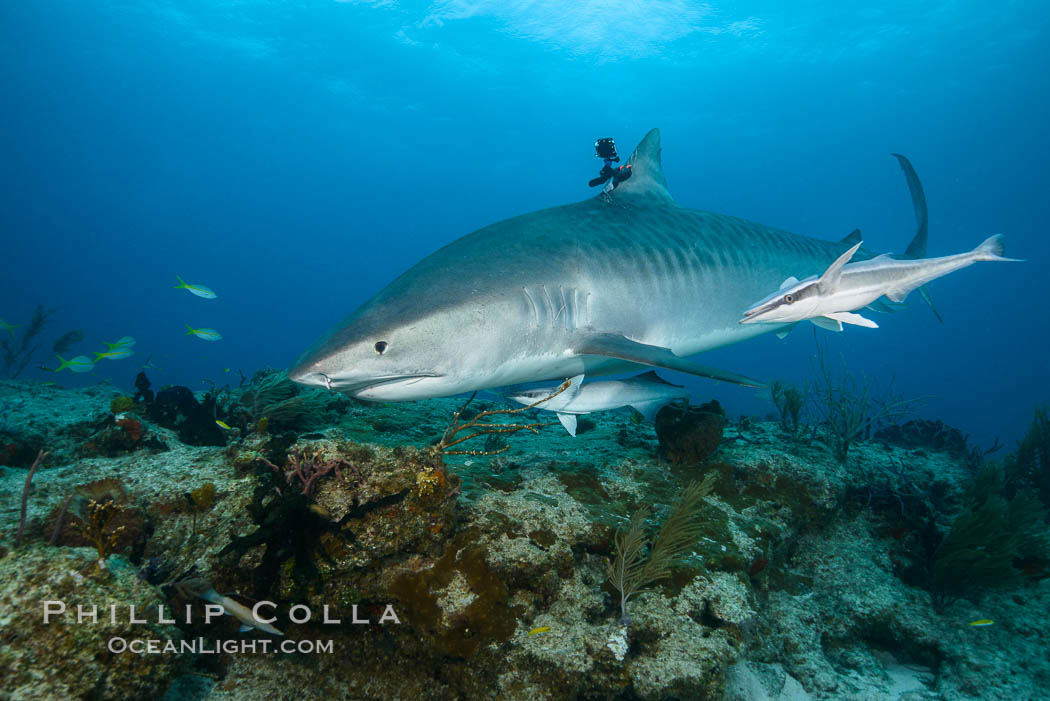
[(794, 591)]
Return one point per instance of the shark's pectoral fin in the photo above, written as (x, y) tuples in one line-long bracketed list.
[(569, 422), (783, 333), (614, 346), (649, 409), (827, 323), (851, 318)]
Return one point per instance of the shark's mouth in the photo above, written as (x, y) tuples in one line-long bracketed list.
[(364, 386)]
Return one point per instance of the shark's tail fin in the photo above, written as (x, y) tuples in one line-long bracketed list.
[(917, 247), (992, 248)]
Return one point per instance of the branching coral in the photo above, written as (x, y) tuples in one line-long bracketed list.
[(308, 467), (478, 427), (94, 527), (847, 405), (637, 565)]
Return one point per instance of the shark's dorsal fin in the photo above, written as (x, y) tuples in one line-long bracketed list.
[(829, 281), (790, 282), (647, 175), (852, 237)]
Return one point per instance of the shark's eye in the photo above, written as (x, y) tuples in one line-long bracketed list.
[(789, 299), (381, 347)]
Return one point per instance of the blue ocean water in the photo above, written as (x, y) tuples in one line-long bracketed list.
[(296, 157)]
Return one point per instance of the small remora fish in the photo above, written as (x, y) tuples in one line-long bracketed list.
[(115, 353), (830, 300), (206, 334), (647, 393), (199, 290), (81, 363), (203, 589)]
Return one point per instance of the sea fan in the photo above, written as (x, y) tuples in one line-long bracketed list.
[(631, 571)]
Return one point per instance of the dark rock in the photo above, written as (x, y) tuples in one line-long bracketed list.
[(924, 433), (690, 433)]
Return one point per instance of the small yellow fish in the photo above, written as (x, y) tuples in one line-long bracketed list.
[(116, 353), (206, 334), (981, 623), (199, 290), (124, 342), (223, 424), (541, 629), (81, 363)]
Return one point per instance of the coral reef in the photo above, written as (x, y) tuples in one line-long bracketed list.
[(67, 659), (761, 565)]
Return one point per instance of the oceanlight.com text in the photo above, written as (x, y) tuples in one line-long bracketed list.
[(203, 646)]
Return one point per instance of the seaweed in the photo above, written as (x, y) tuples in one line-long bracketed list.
[(637, 565)]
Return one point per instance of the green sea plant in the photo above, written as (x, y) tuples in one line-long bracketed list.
[(1029, 467), (279, 400), (847, 405), (639, 564), (993, 543)]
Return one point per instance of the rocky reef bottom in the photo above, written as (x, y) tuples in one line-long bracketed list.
[(397, 570)]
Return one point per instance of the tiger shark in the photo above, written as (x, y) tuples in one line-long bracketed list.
[(623, 281)]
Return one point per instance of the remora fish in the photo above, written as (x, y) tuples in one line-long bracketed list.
[(614, 283), (647, 393), (204, 589), (829, 300)]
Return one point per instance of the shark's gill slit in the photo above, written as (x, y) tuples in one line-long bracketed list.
[(532, 303)]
